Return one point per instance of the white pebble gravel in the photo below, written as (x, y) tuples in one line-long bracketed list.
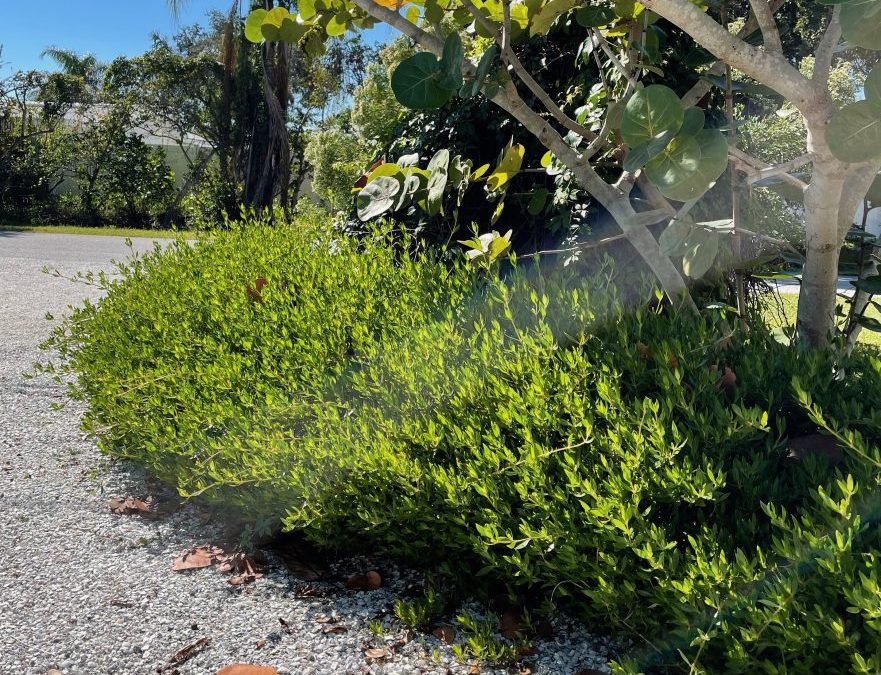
[(87, 592)]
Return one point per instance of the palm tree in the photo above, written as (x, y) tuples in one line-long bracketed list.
[(86, 66)]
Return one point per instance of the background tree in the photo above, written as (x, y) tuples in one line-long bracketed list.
[(660, 140)]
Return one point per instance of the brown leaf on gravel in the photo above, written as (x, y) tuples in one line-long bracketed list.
[(336, 628), (509, 626), (183, 655), (368, 581), (816, 444), (285, 626), (245, 567), (198, 557), (474, 670), (375, 653), (54, 671), (246, 669), (149, 507), (445, 633)]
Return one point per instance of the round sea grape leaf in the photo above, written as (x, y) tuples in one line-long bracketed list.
[(639, 156), (416, 83), (337, 25), (872, 87), (253, 23), (692, 121), (377, 197), (701, 250), (854, 132), (861, 24), (542, 21), (673, 238), (712, 164), (307, 9), (440, 162), (451, 62), (678, 162), (650, 112), (291, 31)]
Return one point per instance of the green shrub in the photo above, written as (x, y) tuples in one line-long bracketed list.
[(523, 428)]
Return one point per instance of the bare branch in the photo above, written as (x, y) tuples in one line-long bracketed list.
[(765, 18), (769, 68), (600, 41), (511, 58), (826, 49), (702, 87), (779, 169), (751, 165)]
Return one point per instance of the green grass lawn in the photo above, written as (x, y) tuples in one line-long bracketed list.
[(789, 304), (106, 231)]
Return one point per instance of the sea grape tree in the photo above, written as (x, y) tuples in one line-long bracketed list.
[(659, 141)]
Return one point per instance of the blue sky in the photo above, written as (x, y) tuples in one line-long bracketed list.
[(106, 28)]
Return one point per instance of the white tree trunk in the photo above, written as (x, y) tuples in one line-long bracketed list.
[(816, 302)]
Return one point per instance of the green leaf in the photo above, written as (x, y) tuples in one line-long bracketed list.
[(546, 159), (639, 156), (861, 25), (594, 17), (451, 62), (649, 113), (416, 83), (253, 24), (712, 164), (440, 161), (486, 61), (291, 31), (541, 22), (306, 8), (702, 247), (693, 121), (377, 197), (673, 238), (537, 201), (674, 166), (872, 87), (870, 284), (854, 132), (337, 25), (510, 165)]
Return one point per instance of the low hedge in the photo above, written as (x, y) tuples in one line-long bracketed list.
[(525, 428)]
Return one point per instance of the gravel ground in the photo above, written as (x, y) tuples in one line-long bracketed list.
[(86, 591)]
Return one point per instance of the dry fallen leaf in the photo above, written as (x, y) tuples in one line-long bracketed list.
[(474, 670), (445, 633), (374, 580), (260, 644), (198, 557), (183, 655), (54, 671), (246, 669), (816, 444), (369, 581), (509, 626), (644, 350), (375, 653), (149, 507)]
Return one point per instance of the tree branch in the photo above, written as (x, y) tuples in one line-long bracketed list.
[(765, 18), (826, 49), (511, 58), (751, 166)]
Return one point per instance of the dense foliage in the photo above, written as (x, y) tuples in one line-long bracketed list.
[(524, 427)]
